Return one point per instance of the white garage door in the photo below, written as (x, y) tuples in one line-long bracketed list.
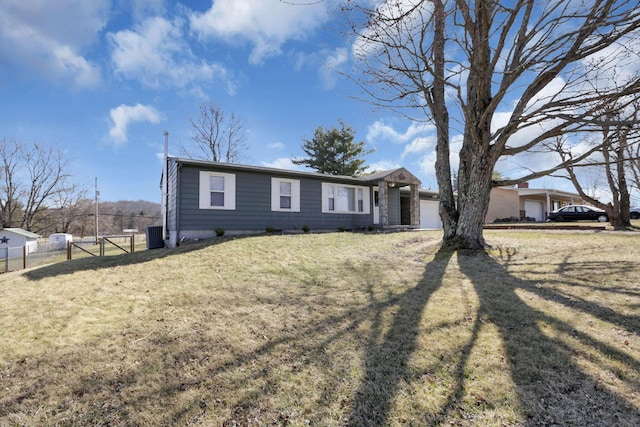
[(429, 217), (534, 209)]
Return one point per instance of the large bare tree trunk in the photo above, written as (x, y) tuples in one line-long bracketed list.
[(474, 183), (436, 98)]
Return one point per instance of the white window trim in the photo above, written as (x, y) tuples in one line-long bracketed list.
[(229, 190), (366, 199), (275, 195)]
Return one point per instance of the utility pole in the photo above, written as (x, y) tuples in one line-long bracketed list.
[(96, 213)]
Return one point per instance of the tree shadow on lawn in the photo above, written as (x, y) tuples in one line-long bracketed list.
[(386, 357), (191, 383), (553, 388), (173, 371)]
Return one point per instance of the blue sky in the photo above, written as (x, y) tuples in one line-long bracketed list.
[(103, 79)]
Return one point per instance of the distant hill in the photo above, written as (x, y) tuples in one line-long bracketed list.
[(114, 217)]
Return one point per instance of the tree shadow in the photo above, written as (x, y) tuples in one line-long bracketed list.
[(177, 365), (387, 353), (239, 386), (553, 388)]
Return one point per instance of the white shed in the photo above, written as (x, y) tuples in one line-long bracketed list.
[(59, 240), (19, 238)]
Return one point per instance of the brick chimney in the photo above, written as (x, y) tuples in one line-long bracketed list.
[(523, 185)]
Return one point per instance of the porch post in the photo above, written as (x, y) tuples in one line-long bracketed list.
[(415, 205), (383, 203), (548, 205)]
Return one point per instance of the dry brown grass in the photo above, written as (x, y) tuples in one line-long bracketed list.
[(336, 329)]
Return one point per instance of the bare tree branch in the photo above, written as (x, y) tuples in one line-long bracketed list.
[(216, 138)]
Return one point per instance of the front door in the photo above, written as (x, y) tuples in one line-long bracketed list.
[(405, 210)]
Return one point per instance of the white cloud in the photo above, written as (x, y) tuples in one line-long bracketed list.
[(427, 163), (51, 40), (156, 54), (373, 37), (265, 24), (417, 138), (327, 62), (383, 165), (419, 145), (380, 132), (123, 115), (331, 66), (282, 163), (276, 146), (143, 8), (615, 65)]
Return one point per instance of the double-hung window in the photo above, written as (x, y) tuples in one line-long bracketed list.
[(340, 198), (285, 195), (217, 190)]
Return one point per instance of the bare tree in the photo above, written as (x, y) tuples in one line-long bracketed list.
[(32, 177), (10, 155), (48, 172), (633, 164), (463, 62), (216, 137), (617, 143), (68, 211)]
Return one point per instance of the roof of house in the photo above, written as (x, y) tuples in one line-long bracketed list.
[(23, 233), (541, 191), (399, 174)]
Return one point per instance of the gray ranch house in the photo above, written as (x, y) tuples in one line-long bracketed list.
[(201, 196)]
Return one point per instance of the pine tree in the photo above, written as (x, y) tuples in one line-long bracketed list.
[(334, 152)]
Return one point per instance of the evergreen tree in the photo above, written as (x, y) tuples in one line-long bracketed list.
[(334, 152)]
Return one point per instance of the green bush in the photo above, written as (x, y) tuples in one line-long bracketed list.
[(219, 231)]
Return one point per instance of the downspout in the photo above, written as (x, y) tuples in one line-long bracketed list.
[(178, 208)]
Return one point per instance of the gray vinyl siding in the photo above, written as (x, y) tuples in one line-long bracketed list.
[(253, 205)]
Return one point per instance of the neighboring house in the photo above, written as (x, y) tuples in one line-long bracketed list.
[(200, 197), (522, 202), (17, 238)]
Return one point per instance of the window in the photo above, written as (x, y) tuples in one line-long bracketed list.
[(339, 198), (217, 190), (285, 195)]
